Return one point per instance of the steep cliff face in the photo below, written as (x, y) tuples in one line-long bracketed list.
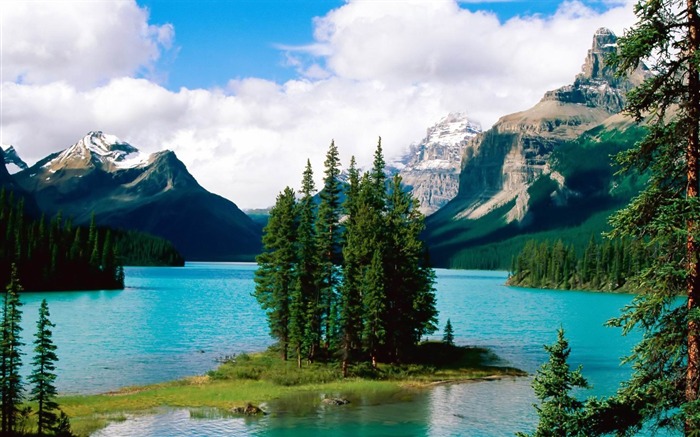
[(500, 165), (432, 166)]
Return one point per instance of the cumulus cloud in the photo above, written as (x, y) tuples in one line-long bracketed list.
[(83, 43), (373, 68)]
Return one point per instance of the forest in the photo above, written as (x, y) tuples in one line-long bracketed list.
[(55, 255), (605, 265)]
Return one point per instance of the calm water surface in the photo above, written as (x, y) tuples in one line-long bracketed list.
[(173, 322)]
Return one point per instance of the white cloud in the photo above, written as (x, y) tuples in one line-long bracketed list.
[(374, 68), (83, 43)]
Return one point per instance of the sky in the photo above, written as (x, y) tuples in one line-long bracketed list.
[(245, 91)]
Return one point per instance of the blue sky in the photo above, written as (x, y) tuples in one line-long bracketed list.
[(245, 91), (219, 40)]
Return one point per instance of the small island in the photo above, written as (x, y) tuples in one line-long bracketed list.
[(243, 383)]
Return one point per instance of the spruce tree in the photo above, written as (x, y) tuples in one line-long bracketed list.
[(665, 216), (449, 335), (328, 232), (275, 278), (306, 306), (560, 413), (351, 309), (11, 360), (42, 378)]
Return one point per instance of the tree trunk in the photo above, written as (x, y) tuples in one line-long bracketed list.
[(693, 281)]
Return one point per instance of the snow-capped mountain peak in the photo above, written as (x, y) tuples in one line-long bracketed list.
[(101, 149), (431, 167), (13, 162)]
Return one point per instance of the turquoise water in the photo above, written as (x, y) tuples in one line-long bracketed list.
[(174, 322)]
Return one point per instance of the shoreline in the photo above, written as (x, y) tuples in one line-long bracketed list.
[(228, 388)]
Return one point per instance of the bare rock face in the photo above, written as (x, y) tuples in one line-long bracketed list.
[(12, 161), (431, 167), (500, 165)]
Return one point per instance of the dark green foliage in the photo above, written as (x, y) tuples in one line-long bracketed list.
[(42, 378), (43, 253), (11, 385), (275, 277), (136, 248), (663, 389), (449, 335), (606, 265), (559, 411), (365, 282)]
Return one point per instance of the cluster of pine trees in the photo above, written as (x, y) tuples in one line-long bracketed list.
[(13, 415), (605, 265), (140, 249), (350, 278), (54, 255)]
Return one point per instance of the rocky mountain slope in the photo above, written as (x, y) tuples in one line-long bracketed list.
[(431, 167), (506, 166), (151, 193)]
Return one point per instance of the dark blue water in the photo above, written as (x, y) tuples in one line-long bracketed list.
[(173, 322)]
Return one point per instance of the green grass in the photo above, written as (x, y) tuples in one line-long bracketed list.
[(264, 377)]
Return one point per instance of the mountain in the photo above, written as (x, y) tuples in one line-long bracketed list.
[(517, 177), (431, 167), (12, 161), (155, 193)]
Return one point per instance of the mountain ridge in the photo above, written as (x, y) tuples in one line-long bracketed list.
[(124, 188)]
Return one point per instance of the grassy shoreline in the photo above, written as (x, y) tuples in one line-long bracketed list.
[(262, 377)]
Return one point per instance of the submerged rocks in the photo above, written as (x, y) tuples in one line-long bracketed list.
[(249, 410), (335, 401)]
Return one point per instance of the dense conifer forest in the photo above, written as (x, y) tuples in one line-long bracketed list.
[(55, 255), (604, 265)]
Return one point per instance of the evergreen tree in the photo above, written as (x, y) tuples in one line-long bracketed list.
[(449, 335), (43, 377), (328, 233), (665, 216), (275, 278), (351, 309), (560, 413), (410, 296), (11, 361), (306, 307), (374, 300)]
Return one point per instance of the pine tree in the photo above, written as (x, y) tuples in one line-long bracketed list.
[(43, 377), (374, 299), (449, 335), (560, 413), (11, 361), (275, 278), (666, 215), (328, 233), (351, 309), (306, 310)]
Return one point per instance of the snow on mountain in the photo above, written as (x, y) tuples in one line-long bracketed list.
[(99, 149), (431, 167), (13, 162)]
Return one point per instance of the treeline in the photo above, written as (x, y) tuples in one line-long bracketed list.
[(604, 265), (140, 249), (55, 255), (348, 279)]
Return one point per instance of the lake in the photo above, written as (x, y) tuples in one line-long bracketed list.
[(174, 322)]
